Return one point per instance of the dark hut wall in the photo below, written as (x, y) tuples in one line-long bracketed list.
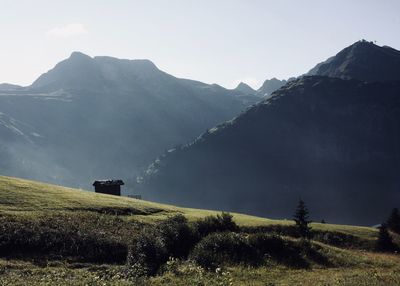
[(108, 189)]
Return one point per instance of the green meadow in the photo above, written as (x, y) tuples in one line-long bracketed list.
[(52, 235)]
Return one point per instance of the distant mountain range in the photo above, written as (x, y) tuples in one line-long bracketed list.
[(331, 138), (91, 118)]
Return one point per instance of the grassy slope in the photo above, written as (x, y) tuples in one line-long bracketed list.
[(28, 199), (24, 196)]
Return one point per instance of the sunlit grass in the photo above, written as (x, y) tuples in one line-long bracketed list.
[(25, 197)]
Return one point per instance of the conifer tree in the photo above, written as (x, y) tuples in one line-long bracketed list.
[(301, 217), (384, 242), (393, 222)]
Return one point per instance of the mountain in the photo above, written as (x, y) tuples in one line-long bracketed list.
[(245, 89), (12, 130), (81, 72), (334, 143), (270, 85), (9, 87), (102, 117), (364, 61)]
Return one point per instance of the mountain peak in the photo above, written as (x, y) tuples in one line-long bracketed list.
[(141, 66), (270, 85), (81, 71), (245, 88), (79, 55), (364, 43), (350, 63)]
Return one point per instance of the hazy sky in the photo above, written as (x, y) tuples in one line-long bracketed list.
[(215, 41)]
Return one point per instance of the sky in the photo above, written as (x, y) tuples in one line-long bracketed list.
[(214, 41)]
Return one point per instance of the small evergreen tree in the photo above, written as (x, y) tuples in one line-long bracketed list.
[(393, 222), (301, 217), (384, 242)]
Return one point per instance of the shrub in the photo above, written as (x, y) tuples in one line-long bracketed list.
[(217, 249), (271, 245), (219, 223), (177, 235), (148, 253), (172, 238), (335, 238), (274, 247), (84, 237)]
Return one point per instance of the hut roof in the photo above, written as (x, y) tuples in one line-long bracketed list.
[(108, 183)]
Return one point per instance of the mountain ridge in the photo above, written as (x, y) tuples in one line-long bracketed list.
[(103, 117), (351, 63), (303, 141)]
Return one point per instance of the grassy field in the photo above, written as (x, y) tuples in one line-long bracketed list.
[(28, 208), (18, 196)]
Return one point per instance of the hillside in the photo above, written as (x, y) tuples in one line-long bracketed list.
[(98, 117), (20, 196), (61, 235), (329, 141)]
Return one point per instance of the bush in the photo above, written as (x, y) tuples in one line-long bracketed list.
[(220, 223), (148, 253), (267, 245), (274, 247), (177, 236), (217, 249), (152, 248), (335, 238), (83, 237)]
